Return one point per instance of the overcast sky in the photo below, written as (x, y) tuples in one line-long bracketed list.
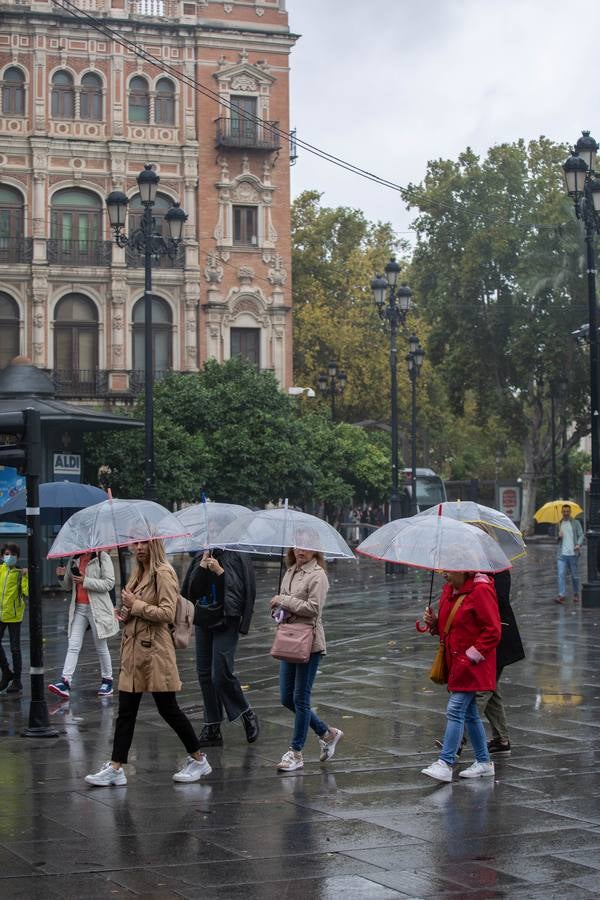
[(389, 84)]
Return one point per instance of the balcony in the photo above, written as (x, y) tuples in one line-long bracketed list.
[(137, 379), (75, 383), (79, 253), (135, 260), (242, 134), (15, 250)]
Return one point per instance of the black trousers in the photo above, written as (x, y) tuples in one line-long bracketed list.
[(215, 660), (166, 704), (14, 635)]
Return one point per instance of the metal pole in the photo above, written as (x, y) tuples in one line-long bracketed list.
[(332, 389), (590, 596), (149, 479), (553, 439), (413, 447), (395, 505), (39, 723)]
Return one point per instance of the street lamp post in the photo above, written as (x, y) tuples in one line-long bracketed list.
[(332, 384), (150, 244), (584, 189), (414, 362), (393, 302)]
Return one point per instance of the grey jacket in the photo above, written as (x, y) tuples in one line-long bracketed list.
[(577, 534)]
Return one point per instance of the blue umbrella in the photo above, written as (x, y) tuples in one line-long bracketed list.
[(58, 500)]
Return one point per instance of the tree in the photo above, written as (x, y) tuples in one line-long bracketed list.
[(496, 273)]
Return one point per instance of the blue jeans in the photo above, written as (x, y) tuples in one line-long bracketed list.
[(295, 684), (461, 711), (567, 563)]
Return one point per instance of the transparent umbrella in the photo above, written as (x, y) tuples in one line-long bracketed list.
[(204, 521), (437, 543), (115, 523), (496, 523), (272, 530)]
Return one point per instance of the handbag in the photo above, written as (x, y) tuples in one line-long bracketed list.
[(293, 642), (439, 668), (183, 624)]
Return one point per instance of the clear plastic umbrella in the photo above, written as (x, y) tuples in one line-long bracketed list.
[(115, 523), (496, 523), (204, 521), (437, 543), (272, 530)]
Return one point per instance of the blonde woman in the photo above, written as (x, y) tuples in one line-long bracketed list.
[(148, 665), (301, 599)]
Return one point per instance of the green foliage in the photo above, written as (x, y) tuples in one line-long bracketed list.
[(230, 432)]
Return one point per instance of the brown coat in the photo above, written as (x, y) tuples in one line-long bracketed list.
[(303, 593), (147, 652)]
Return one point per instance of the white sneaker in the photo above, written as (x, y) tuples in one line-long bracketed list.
[(478, 770), (328, 747), (107, 776), (193, 770), (290, 761), (439, 770)]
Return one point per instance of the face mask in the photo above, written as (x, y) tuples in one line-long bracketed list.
[(10, 560)]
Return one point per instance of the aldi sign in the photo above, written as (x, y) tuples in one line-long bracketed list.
[(67, 467)]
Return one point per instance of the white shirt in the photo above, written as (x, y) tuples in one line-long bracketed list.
[(568, 539)]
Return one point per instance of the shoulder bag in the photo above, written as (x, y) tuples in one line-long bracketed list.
[(439, 669)]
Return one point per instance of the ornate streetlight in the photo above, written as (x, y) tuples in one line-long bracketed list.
[(332, 384), (584, 189), (393, 302), (414, 362), (147, 241)]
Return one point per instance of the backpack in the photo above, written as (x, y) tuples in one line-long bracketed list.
[(182, 627), (183, 624)]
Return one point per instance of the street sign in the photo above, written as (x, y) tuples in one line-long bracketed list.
[(67, 467), (509, 501)]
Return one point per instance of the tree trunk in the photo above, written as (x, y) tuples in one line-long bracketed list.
[(529, 486)]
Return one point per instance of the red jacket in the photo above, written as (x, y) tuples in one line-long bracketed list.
[(475, 628)]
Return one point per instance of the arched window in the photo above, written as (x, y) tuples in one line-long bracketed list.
[(139, 100), (9, 329), (164, 104), (76, 336), (13, 92), (63, 96), (161, 336), (76, 227), (11, 224), (90, 100)]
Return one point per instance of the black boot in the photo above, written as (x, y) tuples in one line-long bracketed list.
[(15, 687), (251, 725), (7, 677), (210, 736)]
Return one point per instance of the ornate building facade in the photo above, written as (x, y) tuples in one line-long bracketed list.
[(81, 113)]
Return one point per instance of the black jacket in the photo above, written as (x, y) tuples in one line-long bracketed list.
[(510, 649), (240, 584)]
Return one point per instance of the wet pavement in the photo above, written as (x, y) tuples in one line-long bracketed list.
[(365, 825)]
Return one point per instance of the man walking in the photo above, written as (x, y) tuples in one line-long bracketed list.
[(570, 538)]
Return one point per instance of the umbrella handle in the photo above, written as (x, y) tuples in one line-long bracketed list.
[(421, 628)]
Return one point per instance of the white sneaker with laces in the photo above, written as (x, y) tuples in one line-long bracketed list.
[(328, 747), (106, 776), (290, 761), (479, 770), (193, 770), (439, 770)]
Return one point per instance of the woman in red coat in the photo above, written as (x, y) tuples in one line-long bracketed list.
[(470, 650)]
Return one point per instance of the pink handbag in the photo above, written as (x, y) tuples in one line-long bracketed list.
[(293, 642)]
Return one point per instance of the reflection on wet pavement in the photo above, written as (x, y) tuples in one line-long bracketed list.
[(366, 825)]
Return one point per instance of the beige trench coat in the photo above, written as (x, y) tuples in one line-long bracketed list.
[(147, 652), (303, 593)]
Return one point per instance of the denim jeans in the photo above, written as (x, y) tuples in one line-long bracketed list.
[(462, 710), (295, 684), (215, 659), (567, 563)]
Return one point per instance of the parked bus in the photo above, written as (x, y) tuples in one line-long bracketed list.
[(431, 490)]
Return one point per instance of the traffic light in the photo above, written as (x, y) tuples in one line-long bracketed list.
[(13, 455)]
